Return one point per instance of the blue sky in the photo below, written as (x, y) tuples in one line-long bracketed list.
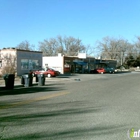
[(88, 20)]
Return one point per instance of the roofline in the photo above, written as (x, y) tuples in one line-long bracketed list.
[(80, 58), (12, 48)]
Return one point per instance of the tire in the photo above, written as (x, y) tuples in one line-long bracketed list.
[(48, 75)]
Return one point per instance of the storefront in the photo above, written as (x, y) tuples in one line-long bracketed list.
[(74, 64)]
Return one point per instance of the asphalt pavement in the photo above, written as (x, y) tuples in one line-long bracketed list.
[(75, 107)]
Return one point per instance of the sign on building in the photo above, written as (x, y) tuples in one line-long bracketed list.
[(82, 55)]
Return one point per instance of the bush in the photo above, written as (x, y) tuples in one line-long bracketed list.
[(8, 70), (132, 69), (121, 67)]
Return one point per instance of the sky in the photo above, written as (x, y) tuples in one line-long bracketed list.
[(88, 20)]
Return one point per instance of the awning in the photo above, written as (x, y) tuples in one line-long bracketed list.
[(80, 63)]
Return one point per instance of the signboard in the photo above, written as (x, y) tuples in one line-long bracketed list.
[(82, 55)]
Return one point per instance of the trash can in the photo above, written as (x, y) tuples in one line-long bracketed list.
[(36, 77), (22, 80), (27, 81), (41, 79), (30, 79), (9, 80)]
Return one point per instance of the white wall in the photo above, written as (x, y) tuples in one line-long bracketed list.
[(55, 62)]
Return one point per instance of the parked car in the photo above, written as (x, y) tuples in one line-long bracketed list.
[(48, 73), (103, 70), (109, 70), (58, 73), (98, 70)]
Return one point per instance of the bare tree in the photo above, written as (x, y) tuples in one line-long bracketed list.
[(108, 47), (65, 45), (112, 48), (48, 47), (90, 50), (136, 46), (73, 46), (8, 63), (25, 45)]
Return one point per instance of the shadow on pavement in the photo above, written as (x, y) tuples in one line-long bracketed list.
[(52, 120), (19, 89), (70, 75)]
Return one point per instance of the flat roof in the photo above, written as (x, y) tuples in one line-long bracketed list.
[(12, 48), (80, 58)]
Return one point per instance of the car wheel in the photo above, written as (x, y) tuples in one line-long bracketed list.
[(102, 72), (48, 75)]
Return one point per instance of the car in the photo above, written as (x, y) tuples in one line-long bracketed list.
[(109, 70), (103, 70), (48, 72), (57, 72), (98, 70)]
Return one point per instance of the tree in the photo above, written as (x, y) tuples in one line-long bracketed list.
[(90, 50), (48, 47), (138, 61), (108, 48), (112, 48), (136, 46), (25, 45), (8, 63), (130, 61), (68, 46)]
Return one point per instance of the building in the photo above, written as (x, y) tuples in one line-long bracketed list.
[(19, 61), (22, 61), (75, 64)]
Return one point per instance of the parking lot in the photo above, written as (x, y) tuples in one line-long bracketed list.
[(78, 107), (67, 77)]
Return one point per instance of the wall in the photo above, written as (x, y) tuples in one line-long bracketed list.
[(28, 60), (55, 62)]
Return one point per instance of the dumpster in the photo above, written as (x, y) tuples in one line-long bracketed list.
[(41, 79), (27, 80), (9, 80)]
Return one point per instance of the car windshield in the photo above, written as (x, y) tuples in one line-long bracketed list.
[(51, 69), (46, 69), (41, 69)]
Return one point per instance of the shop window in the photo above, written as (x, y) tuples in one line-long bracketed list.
[(24, 64), (28, 64), (35, 64)]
